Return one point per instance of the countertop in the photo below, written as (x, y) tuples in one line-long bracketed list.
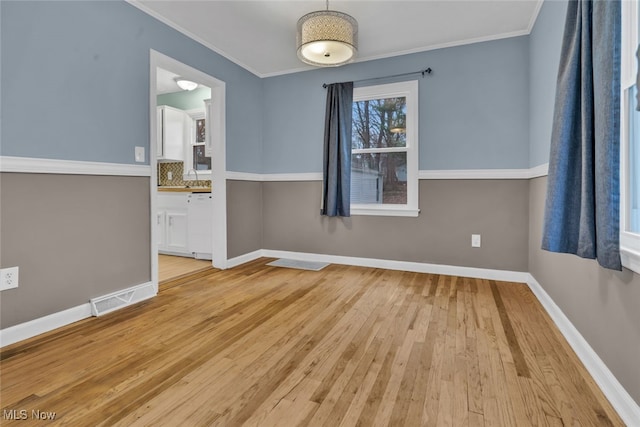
[(184, 189)]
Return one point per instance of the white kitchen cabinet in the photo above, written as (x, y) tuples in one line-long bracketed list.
[(171, 214), (171, 128), (161, 228), (159, 134), (208, 148), (176, 223)]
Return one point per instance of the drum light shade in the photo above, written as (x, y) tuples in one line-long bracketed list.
[(327, 38)]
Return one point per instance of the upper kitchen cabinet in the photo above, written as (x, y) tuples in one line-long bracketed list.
[(172, 130)]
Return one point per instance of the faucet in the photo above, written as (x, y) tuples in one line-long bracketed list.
[(195, 172)]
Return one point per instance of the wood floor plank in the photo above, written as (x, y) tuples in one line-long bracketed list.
[(398, 366), (575, 382), (346, 346), (417, 400), (474, 384), (331, 409), (476, 420), (353, 416), (514, 345), (172, 267), (439, 318)]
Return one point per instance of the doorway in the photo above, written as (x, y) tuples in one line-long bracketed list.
[(172, 267), (192, 167)]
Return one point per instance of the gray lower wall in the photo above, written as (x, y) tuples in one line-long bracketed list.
[(77, 237), (74, 237), (244, 217), (603, 305), (451, 210)]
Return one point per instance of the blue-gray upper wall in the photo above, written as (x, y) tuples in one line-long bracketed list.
[(545, 42), (75, 83), (474, 108), (75, 86)]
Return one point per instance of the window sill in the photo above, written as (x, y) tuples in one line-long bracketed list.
[(630, 251), (385, 212), (630, 259)]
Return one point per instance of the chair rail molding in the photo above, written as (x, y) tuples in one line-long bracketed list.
[(70, 167), (533, 172)]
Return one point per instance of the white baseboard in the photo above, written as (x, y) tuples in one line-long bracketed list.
[(418, 267), (38, 326), (242, 259), (623, 403), (34, 327)]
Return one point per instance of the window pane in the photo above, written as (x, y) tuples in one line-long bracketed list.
[(200, 129), (379, 123), (379, 178), (200, 161), (634, 161)]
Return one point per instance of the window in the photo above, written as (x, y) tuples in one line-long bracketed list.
[(630, 138), (196, 157), (199, 159), (384, 150)]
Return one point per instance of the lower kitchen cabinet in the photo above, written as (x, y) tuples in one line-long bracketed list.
[(184, 224), (161, 229), (171, 216), (177, 232)]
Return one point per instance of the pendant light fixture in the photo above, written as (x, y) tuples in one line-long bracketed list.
[(327, 38)]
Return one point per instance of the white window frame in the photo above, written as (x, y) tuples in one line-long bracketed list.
[(196, 114), (409, 90), (629, 242)]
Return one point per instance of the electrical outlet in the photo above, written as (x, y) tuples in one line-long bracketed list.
[(169, 175), (8, 278), (475, 240)]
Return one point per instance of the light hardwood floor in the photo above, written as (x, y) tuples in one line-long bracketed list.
[(172, 267), (266, 346)]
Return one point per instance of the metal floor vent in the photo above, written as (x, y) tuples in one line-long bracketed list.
[(301, 265), (108, 303)]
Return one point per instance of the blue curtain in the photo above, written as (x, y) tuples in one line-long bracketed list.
[(583, 193), (336, 191)]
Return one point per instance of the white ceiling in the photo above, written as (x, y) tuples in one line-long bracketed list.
[(260, 35), (165, 82)]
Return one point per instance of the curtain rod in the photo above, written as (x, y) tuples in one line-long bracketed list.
[(422, 72)]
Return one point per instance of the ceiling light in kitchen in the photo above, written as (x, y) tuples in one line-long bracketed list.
[(185, 84)]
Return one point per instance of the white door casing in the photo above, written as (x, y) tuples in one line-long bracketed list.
[(218, 147)]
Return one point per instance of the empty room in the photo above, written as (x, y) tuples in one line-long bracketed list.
[(320, 213)]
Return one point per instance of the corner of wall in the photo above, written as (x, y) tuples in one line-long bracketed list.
[(262, 209)]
